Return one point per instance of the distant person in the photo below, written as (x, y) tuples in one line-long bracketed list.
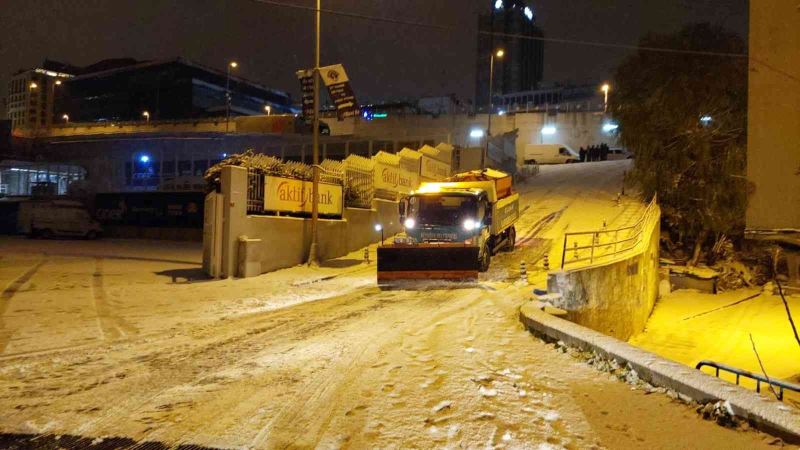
[(582, 154), (604, 152), (592, 153)]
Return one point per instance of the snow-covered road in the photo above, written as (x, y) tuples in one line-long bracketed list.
[(122, 338)]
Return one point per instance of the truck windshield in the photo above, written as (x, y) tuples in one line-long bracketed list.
[(443, 209)]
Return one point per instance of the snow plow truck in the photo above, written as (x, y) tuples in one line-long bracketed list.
[(452, 228)]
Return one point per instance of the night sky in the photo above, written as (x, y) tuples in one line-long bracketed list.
[(384, 61)]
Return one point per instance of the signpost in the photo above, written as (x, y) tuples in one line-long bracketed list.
[(335, 79), (306, 78)]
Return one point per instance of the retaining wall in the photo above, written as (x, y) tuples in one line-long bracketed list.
[(279, 242), (614, 298)]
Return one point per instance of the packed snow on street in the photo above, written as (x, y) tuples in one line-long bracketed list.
[(124, 338)]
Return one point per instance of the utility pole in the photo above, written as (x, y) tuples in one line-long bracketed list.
[(313, 257)]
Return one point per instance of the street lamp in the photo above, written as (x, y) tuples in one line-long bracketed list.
[(146, 116), (33, 85), (499, 53), (379, 227), (66, 118), (605, 88), (268, 109), (231, 65)]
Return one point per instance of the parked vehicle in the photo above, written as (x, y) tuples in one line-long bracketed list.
[(452, 228), (549, 154), (51, 218), (616, 153)]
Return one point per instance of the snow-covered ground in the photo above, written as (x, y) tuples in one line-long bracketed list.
[(689, 326), (126, 338)]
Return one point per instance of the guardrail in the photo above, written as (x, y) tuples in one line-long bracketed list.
[(604, 244), (747, 374)]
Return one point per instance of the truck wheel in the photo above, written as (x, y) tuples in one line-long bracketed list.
[(511, 239), (486, 259)]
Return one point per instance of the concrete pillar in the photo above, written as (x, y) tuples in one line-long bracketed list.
[(233, 182)]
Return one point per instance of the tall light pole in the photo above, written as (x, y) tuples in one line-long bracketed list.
[(485, 154), (66, 118), (34, 91), (231, 65), (605, 88), (146, 116), (313, 257), (268, 109)]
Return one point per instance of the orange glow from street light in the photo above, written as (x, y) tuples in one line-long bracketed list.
[(33, 85), (500, 53), (234, 64), (605, 88)]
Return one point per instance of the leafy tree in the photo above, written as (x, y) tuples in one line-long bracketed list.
[(684, 115)]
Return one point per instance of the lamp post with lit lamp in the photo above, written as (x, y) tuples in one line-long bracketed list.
[(499, 53), (66, 118), (146, 116), (231, 65), (33, 88), (379, 227), (605, 88), (268, 109), (51, 110)]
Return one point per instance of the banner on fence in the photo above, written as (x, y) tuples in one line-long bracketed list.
[(393, 178), (433, 169), (294, 196)]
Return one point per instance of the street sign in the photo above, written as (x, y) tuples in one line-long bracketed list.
[(306, 78), (338, 84)]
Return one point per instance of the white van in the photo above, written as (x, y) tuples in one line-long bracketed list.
[(549, 154), (50, 218)]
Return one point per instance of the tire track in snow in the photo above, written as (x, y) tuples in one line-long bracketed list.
[(5, 300), (109, 323)]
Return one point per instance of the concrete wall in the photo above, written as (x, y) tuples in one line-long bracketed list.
[(615, 298), (773, 130), (575, 129), (279, 242)]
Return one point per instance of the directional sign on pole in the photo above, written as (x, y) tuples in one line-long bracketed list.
[(335, 79), (306, 78)]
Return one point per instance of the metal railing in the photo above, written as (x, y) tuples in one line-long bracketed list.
[(781, 385), (604, 244), (255, 191)]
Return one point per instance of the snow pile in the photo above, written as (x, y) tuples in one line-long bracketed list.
[(720, 412)]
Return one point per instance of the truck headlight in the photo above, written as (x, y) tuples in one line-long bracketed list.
[(409, 223), (470, 225)]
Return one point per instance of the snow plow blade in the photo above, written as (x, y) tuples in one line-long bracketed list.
[(427, 262)]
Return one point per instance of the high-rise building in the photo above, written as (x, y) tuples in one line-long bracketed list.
[(505, 25)]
